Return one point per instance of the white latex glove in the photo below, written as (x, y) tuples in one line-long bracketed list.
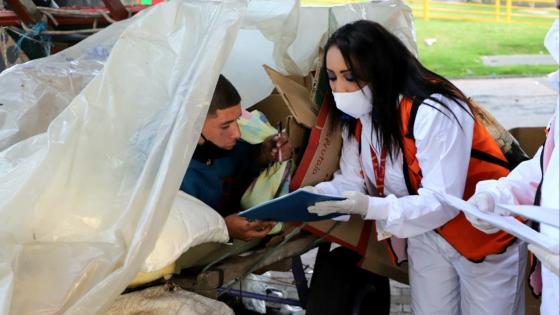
[(356, 203), (312, 189), (481, 225), (549, 260), (485, 203)]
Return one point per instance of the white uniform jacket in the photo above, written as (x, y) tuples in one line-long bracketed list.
[(443, 143)]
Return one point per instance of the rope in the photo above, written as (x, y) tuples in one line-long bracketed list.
[(17, 31), (37, 31)]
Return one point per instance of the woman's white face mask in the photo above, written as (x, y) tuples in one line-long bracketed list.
[(355, 104)]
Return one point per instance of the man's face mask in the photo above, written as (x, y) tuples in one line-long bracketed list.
[(355, 104)]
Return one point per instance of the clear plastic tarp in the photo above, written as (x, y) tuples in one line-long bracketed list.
[(83, 203), (95, 140)]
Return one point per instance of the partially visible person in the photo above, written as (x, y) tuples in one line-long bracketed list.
[(534, 182), (407, 132), (223, 166)]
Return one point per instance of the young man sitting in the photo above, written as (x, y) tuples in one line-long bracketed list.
[(223, 166)]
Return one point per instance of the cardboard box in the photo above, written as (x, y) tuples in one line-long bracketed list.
[(530, 138), (291, 105)]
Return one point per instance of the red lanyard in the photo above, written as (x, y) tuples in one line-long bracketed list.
[(379, 170)]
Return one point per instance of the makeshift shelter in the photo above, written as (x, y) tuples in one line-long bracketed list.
[(95, 140)]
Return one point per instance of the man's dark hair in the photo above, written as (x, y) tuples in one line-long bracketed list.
[(225, 96)]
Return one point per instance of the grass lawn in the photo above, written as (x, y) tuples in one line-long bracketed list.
[(460, 45)]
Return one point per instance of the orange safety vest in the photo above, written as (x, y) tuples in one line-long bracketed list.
[(486, 162)]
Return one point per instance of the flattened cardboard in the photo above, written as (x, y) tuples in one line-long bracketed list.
[(296, 97), (298, 135), (322, 155), (276, 110)]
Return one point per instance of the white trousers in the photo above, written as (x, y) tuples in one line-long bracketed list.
[(444, 282), (550, 298)]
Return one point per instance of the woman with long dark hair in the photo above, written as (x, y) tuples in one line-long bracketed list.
[(407, 132)]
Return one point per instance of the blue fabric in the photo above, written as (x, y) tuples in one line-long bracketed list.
[(220, 179)]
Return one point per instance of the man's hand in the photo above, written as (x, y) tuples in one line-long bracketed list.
[(276, 148), (243, 229)]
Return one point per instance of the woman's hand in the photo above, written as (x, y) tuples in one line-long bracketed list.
[(356, 203)]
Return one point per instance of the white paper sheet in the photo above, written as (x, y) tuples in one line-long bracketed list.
[(541, 214), (506, 223)]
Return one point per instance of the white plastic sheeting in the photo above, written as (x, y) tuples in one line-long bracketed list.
[(317, 23), (94, 140), (288, 38), (33, 94), (83, 203), (274, 32)]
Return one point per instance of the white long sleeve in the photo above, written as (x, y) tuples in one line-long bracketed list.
[(348, 177), (519, 187), (443, 150)]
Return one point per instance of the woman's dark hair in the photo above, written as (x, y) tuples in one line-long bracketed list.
[(225, 96), (377, 57)]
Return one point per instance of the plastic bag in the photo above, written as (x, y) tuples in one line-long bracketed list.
[(83, 203)]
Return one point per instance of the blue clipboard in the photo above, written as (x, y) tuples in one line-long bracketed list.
[(291, 207)]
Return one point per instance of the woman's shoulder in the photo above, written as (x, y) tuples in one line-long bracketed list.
[(438, 104)]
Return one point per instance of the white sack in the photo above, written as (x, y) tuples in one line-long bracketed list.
[(190, 222), (164, 300)]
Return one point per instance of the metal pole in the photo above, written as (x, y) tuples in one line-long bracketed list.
[(300, 280), (498, 9), (26, 11), (508, 11), (426, 10), (117, 10), (258, 296)]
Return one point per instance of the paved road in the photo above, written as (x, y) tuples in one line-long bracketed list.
[(516, 102)]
